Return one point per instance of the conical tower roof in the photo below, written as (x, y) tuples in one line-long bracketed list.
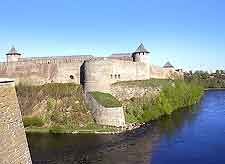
[(141, 48), (13, 51), (168, 65)]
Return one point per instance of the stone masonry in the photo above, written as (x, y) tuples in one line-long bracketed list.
[(95, 73), (106, 116), (13, 142)]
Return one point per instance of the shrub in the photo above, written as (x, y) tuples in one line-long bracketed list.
[(173, 96), (32, 121)]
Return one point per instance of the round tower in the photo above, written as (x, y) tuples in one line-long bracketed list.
[(141, 54), (13, 55)]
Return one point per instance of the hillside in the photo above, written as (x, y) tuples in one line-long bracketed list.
[(146, 100), (54, 105), (62, 106)]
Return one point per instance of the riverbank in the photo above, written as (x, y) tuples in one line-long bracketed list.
[(174, 95), (75, 131), (56, 109)]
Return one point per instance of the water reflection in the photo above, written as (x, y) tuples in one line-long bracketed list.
[(198, 137), (145, 145)]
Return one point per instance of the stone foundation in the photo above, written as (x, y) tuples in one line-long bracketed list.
[(106, 116), (13, 142)]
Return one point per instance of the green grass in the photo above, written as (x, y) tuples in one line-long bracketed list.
[(33, 121), (106, 99), (55, 104)]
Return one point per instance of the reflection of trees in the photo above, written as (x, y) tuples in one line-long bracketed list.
[(172, 124)]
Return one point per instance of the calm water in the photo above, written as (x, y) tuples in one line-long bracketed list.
[(190, 136)]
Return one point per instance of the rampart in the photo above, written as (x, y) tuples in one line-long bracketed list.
[(41, 72), (106, 116), (100, 74), (14, 147), (95, 73)]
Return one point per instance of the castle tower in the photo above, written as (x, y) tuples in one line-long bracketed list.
[(13, 55), (168, 65), (141, 54)]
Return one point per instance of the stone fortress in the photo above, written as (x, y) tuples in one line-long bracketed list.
[(94, 73)]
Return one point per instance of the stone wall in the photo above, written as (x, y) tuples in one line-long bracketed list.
[(100, 74), (106, 116), (96, 73), (164, 73), (41, 73), (126, 92), (14, 147)]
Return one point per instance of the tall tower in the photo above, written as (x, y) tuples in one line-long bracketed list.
[(141, 54), (13, 55)]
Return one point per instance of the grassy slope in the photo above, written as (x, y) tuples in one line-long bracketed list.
[(56, 105), (106, 99), (63, 105)]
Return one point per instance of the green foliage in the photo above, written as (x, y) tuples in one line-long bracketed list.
[(51, 104), (33, 121), (106, 99), (176, 95), (214, 80), (65, 105)]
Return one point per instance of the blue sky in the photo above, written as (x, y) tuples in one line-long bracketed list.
[(188, 33)]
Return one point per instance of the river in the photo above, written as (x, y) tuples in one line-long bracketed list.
[(195, 135)]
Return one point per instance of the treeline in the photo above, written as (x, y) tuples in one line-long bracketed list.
[(175, 95), (207, 80)]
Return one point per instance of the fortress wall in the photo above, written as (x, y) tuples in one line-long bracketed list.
[(156, 72), (57, 59), (68, 72), (97, 75), (164, 73), (106, 116), (28, 72), (14, 147), (100, 74), (128, 70), (36, 73)]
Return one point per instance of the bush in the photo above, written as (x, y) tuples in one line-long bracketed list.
[(106, 99), (173, 96), (32, 121)]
